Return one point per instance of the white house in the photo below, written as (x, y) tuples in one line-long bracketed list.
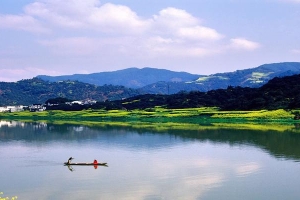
[(37, 108), (12, 108)]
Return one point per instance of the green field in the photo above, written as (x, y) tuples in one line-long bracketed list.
[(158, 114), (161, 118)]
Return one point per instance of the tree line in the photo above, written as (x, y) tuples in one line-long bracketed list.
[(278, 93)]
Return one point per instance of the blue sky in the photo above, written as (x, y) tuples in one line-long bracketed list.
[(54, 37)]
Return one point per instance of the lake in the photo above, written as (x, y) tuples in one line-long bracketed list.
[(205, 164)]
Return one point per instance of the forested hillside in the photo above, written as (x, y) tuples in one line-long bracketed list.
[(277, 93), (161, 81), (254, 77), (35, 90)]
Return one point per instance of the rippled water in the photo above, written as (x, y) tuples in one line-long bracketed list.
[(144, 164)]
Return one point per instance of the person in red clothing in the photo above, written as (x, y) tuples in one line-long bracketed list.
[(95, 164)]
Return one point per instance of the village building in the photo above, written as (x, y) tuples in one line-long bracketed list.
[(37, 108), (12, 108)]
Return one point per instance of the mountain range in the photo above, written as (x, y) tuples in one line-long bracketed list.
[(162, 81), (130, 78), (115, 85), (277, 93)]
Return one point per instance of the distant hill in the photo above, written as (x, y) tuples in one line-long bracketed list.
[(160, 81), (131, 77), (37, 90), (31, 91), (278, 93), (254, 77)]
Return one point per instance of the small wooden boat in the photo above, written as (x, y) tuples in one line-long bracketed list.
[(95, 163), (66, 163)]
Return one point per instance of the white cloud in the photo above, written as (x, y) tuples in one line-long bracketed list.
[(243, 44), (173, 18), (68, 13), (91, 15), (199, 33), (46, 14), (83, 28), (21, 22), (171, 33), (179, 23), (172, 46), (117, 19)]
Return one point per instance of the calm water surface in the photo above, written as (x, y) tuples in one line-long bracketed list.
[(149, 165)]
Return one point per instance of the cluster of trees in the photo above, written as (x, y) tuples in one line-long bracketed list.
[(33, 91), (277, 93)]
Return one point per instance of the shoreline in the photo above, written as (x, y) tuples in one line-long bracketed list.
[(162, 119)]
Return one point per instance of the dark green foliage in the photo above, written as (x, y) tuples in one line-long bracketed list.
[(296, 115), (35, 90), (145, 101), (58, 100), (68, 107), (277, 93)]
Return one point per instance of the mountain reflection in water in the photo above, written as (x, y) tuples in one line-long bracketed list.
[(277, 143), (144, 163)]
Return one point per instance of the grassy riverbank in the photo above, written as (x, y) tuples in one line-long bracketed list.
[(160, 119), (193, 115)]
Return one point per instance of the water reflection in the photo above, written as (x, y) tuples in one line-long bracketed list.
[(282, 145), (147, 164), (247, 169), (72, 168)]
